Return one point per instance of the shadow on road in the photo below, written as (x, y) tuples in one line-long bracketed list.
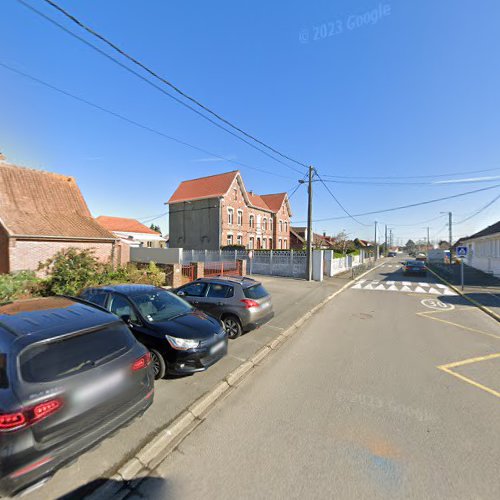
[(153, 487)]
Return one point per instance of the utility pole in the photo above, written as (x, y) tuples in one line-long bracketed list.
[(385, 243), (390, 238), (309, 225), (375, 253), (428, 238), (450, 223)]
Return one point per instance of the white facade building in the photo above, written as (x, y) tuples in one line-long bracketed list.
[(484, 250)]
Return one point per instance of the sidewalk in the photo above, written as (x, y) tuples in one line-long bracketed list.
[(293, 300), (479, 287)]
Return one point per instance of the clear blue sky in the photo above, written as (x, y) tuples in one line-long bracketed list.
[(415, 92)]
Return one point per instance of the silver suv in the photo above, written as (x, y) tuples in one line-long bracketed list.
[(241, 303)]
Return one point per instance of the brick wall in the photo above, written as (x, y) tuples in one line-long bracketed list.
[(26, 254), (268, 237)]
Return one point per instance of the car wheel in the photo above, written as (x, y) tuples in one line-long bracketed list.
[(159, 365), (232, 326)]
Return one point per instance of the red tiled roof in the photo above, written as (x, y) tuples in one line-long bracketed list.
[(258, 202), (124, 225), (274, 201), (37, 203), (204, 187)]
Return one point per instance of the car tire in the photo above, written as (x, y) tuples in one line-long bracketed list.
[(159, 365), (232, 326)]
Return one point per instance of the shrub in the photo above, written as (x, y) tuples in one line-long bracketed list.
[(17, 285), (70, 270)]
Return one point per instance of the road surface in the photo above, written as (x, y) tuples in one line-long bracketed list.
[(391, 390)]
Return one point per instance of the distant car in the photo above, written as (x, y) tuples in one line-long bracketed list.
[(241, 303), (181, 339), (414, 267), (391, 254), (70, 375)]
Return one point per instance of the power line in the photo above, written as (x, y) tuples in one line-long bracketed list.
[(411, 205), (338, 202), (452, 182), (171, 85), (149, 82), (413, 176), (479, 211), (133, 122)]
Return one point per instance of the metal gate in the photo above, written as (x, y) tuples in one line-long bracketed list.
[(187, 273)]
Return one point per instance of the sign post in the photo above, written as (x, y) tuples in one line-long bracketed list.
[(462, 253)]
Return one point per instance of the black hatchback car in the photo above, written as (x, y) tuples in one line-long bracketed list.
[(181, 339), (70, 374)]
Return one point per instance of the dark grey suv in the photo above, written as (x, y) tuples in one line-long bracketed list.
[(70, 375), (242, 304)]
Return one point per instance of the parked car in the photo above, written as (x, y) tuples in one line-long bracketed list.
[(181, 339), (70, 375), (414, 267), (241, 303), (421, 257), (392, 254)]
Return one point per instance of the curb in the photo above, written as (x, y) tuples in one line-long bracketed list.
[(485, 309), (149, 457)]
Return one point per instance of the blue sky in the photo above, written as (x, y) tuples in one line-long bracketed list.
[(414, 91)]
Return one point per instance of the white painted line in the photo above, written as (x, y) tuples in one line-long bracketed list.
[(406, 283), (419, 289), (380, 287), (393, 288), (424, 284), (435, 291), (405, 289)]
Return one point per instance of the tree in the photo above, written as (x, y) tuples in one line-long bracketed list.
[(155, 227), (410, 246), (444, 245)]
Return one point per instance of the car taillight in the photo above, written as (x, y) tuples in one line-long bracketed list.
[(142, 362), (11, 421), (43, 410), (29, 416), (249, 303)]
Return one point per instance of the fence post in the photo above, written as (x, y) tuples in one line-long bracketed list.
[(271, 262)]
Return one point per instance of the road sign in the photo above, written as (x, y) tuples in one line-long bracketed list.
[(462, 251)]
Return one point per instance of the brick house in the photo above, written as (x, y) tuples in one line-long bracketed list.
[(42, 213), (215, 211)]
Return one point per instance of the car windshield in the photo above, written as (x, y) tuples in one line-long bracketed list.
[(160, 305)]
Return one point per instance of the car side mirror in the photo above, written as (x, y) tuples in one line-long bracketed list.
[(180, 293)]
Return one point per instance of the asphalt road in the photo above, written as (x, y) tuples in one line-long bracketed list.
[(357, 406)]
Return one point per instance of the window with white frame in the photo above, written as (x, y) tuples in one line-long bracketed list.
[(235, 191), (279, 244), (281, 226), (284, 244), (286, 227), (251, 221), (264, 243), (229, 239), (251, 242), (239, 239), (270, 223), (240, 217), (264, 224), (230, 215)]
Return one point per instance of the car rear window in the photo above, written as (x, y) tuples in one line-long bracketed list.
[(4, 382), (255, 292), (416, 263), (95, 296), (62, 358)]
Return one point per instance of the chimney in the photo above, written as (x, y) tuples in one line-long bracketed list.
[(324, 234), (2, 158)]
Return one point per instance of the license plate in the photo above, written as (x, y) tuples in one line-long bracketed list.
[(217, 347), (103, 387)]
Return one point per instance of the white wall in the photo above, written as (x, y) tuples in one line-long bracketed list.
[(484, 254), (158, 255)]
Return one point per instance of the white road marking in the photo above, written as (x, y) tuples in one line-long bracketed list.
[(403, 286)]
